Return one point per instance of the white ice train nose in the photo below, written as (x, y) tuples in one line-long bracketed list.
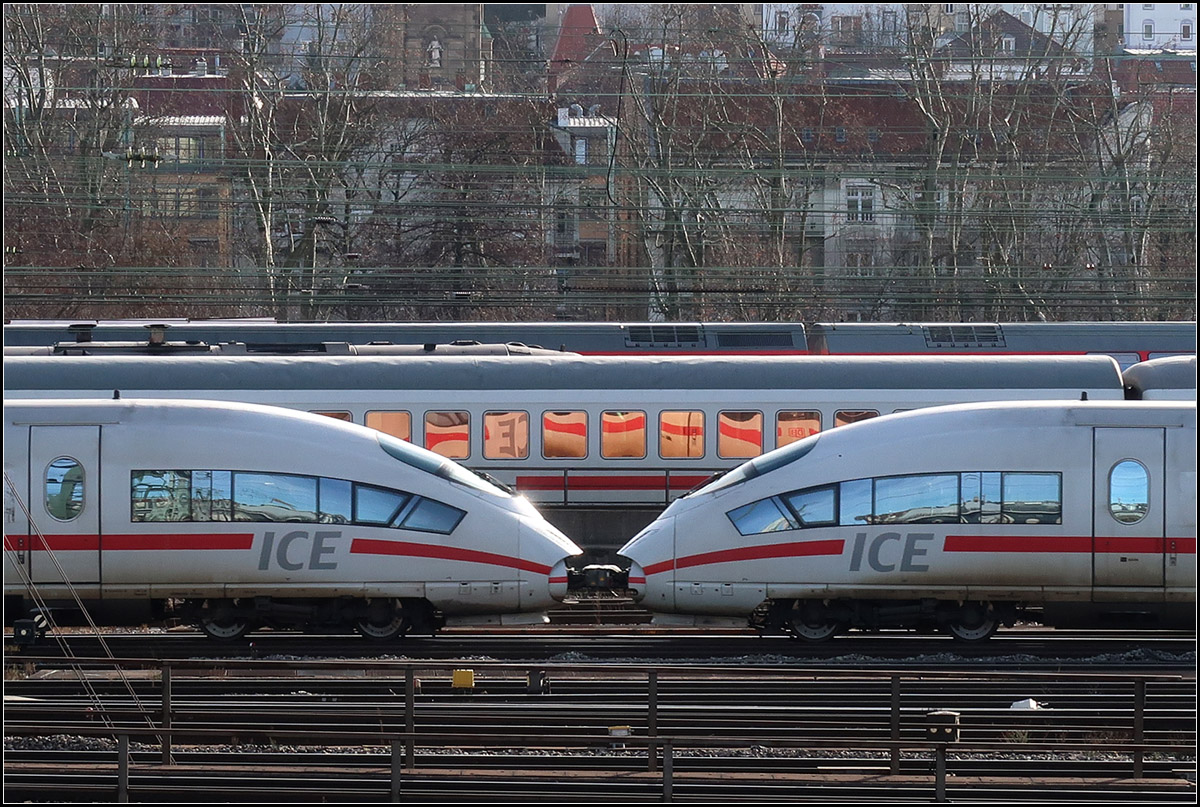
[(651, 556), (637, 581), (545, 546), (558, 580)]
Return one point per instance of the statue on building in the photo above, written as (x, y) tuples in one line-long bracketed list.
[(435, 52)]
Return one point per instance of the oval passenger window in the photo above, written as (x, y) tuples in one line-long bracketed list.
[(1129, 492), (64, 489)]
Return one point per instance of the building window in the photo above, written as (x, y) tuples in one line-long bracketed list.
[(860, 203), (592, 204), (1185, 30), (781, 22), (1148, 29), (847, 30), (859, 264)]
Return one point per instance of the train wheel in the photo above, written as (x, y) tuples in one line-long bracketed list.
[(384, 620), (810, 622), (220, 621), (974, 622)]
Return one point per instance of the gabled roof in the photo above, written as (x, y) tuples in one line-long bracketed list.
[(985, 39), (578, 36)]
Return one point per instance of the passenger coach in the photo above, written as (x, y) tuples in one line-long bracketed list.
[(960, 517)]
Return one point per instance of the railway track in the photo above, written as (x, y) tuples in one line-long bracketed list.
[(322, 729), (1014, 649)]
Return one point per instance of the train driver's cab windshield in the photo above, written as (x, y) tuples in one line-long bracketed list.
[(761, 465), (435, 464)]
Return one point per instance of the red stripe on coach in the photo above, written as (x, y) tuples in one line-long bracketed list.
[(797, 549), (377, 546)]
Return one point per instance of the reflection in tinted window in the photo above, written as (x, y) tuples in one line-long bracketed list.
[(622, 434), (765, 515), (447, 433), (64, 489), (681, 434), (274, 497), (1129, 492), (397, 424), (793, 426), (739, 434), (564, 435), (432, 516), (1030, 498), (989, 497), (166, 496), (212, 494), (924, 499), (335, 501), (855, 502), (844, 417), (506, 435), (981, 498), (158, 495), (377, 506), (813, 507)]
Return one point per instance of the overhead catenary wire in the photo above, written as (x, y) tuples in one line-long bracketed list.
[(488, 214)]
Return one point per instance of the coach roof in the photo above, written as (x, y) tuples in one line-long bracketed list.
[(558, 372)]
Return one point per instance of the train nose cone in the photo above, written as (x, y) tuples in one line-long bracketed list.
[(637, 581), (558, 581)]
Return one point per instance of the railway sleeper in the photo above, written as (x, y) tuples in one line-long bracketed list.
[(818, 620), (378, 618)]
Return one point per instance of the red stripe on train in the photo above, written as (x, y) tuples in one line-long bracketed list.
[(132, 542), (1080, 543), (617, 483), (376, 546), (798, 549)]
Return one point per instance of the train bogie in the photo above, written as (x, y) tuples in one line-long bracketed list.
[(960, 517), (237, 515)]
